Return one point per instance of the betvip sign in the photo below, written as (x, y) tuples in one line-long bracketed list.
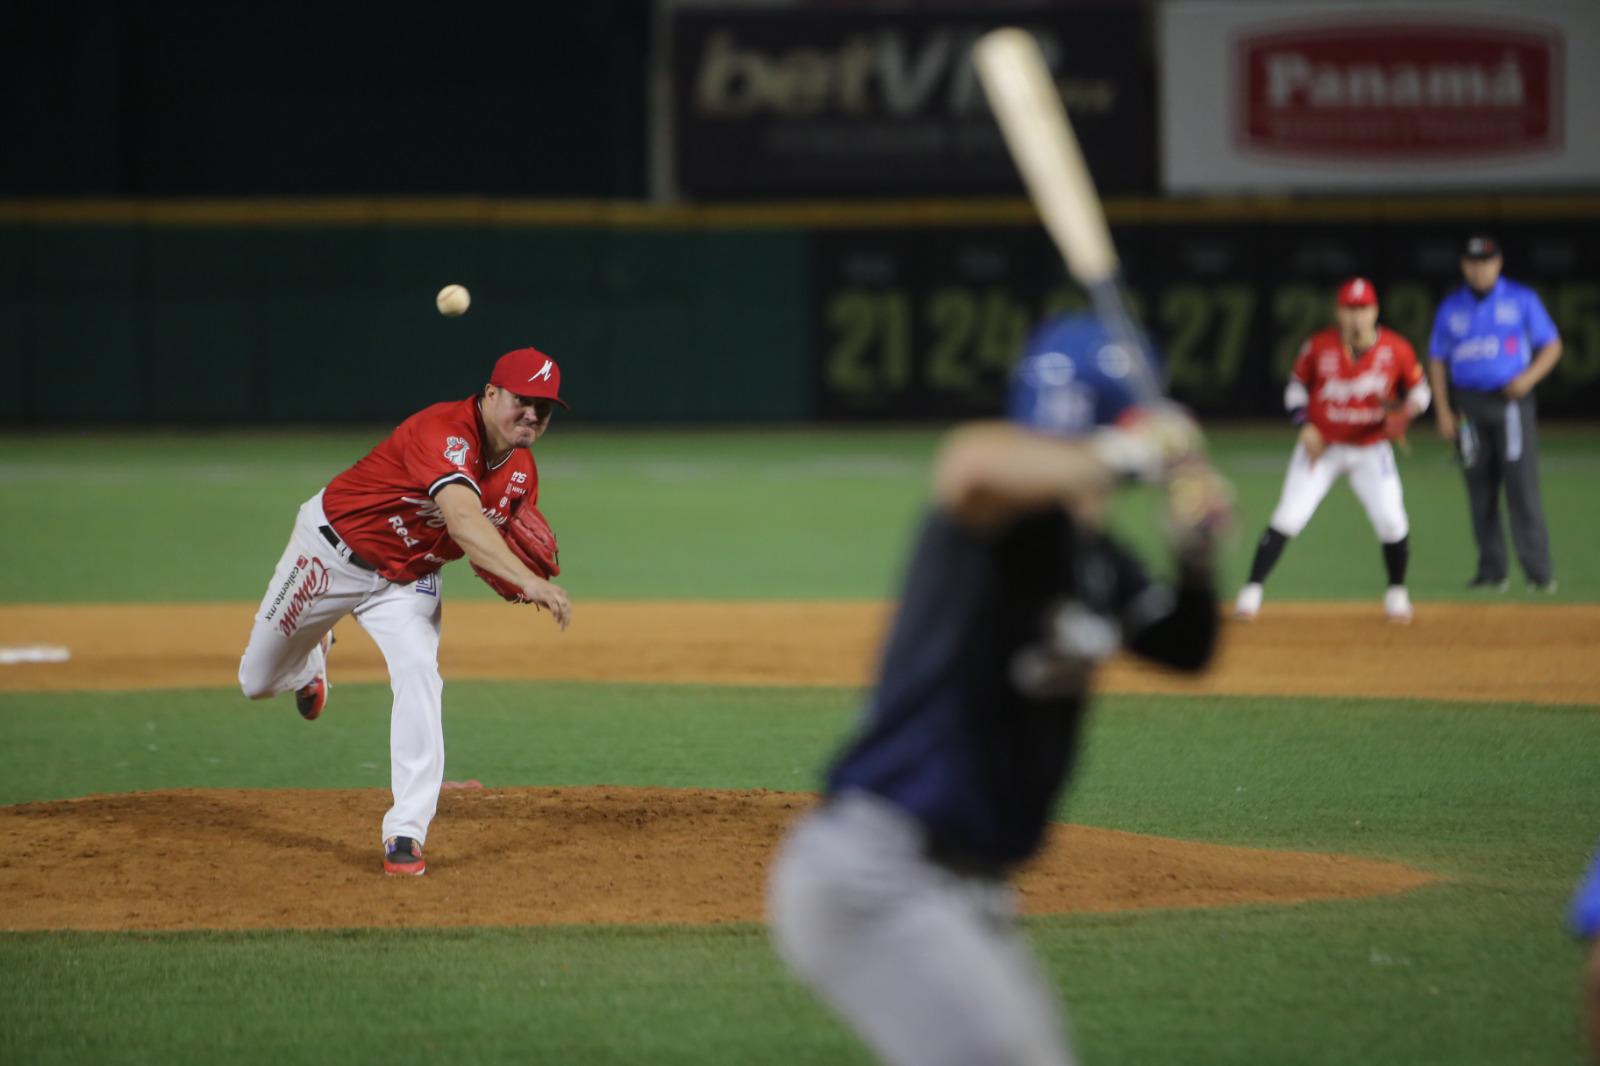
[(1299, 96), (802, 102)]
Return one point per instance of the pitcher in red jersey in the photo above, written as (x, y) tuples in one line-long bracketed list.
[(371, 543), (1346, 380)]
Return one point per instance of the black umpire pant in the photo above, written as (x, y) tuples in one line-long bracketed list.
[(1497, 442)]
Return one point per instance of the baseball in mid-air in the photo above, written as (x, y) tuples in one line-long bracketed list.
[(453, 300)]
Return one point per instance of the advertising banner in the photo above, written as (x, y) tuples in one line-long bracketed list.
[(807, 103), (1378, 97)]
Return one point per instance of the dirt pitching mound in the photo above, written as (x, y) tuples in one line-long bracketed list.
[(230, 859)]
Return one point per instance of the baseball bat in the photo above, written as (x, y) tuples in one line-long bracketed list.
[(1026, 104)]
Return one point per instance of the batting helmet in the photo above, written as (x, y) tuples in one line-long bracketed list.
[(1073, 377)]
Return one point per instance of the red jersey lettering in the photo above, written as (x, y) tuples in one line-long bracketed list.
[(1349, 393), (384, 508)]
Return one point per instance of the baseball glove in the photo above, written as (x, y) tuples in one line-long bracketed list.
[(1396, 420), (1395, 423), (531, 540)]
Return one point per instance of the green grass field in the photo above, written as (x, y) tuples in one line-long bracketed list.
[(1499, 799)]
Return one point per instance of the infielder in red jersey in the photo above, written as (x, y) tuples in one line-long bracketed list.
[(371, 544), (1353, 387)]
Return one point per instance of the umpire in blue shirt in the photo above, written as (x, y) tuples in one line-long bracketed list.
[(1492, 343)]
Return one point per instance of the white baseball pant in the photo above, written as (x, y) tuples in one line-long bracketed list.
[(927, 965), (314, 586), (1373, 477)]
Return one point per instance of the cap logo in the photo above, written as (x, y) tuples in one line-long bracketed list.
[(543, 372), (1357, 290)]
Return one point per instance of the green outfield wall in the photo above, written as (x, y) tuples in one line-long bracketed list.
[(222, 324), (308, 311)]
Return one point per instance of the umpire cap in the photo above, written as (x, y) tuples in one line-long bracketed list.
[(1073, 377), (1480, 246)]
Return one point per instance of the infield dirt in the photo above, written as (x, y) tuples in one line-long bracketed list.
[(214, 859), (1457, 651), (219, 859)]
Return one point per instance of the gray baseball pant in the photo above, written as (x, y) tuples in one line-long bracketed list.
[(1498, 443), (926, 964)]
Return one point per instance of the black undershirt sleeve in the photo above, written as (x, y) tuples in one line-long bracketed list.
[(1173, 625), (1185, 636)]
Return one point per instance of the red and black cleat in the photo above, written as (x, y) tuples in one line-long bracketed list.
[(402, 856), (311, 698)]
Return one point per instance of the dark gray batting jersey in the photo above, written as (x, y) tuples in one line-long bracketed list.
[(974, 723)]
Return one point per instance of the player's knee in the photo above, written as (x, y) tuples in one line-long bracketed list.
[(1392, 531), (1289, 524), (254, 688), (257, 673), (415, 674)]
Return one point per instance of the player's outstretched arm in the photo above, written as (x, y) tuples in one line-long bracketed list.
[(477, 536), (989, 473)]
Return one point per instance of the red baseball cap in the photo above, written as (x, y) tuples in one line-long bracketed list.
[(1358, 292), (528, 372)]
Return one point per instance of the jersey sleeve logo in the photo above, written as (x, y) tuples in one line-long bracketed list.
[(455, 450)]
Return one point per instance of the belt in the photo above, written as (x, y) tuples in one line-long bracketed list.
[(355, 560), (886, 821)]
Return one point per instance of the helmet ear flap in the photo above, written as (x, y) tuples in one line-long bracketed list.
[(1065, 410)]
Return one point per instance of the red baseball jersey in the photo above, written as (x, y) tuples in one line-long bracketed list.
[(384, 509), (1348, 393)]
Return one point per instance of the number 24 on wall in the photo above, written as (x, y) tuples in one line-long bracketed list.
[(877, 347)]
